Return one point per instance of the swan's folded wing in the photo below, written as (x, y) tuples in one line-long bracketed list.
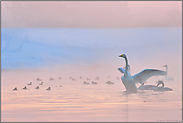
[(122, 70), (142, 76)]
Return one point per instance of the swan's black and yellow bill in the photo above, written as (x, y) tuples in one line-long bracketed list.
[(121, 55)]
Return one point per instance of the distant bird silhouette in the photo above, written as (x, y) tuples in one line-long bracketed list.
[(52, 79), (38, 79), (15, 89), (48, 88), (117, 78), (80, 77), (25, 88), (60, 86), (109, 82), (97, 78), (108, 76), (37, 87), (86, 83), (59, 78), (74, 79), (29, 83), (94, 82), (41, 83), (88, 79)]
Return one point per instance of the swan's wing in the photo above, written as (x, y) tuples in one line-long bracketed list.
[(122, 70), (142, 76)]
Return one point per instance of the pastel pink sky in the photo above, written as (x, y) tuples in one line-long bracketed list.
[(91, 14)]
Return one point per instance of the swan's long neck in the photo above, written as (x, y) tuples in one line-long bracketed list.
[(166, 70), (162, 85), (126, 69)]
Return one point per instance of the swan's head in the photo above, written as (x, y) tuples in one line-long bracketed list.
[(123, 55), (165, 66), (160, 82)]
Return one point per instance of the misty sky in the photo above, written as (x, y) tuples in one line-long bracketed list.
[(91, 14)]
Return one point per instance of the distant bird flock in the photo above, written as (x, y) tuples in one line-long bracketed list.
[(71, 78)]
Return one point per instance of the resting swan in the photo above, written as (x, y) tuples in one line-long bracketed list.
[(146, 87), (168, 78), (162, 88), (130, 81)]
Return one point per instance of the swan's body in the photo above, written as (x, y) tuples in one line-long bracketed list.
[(168, 78), (162, 88), (130, 81), (146, 87)]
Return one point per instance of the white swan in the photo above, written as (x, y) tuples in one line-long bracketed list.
[(146, 87), (129, 81), (162, 88), (168, 78)]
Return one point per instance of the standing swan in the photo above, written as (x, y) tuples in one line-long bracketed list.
[(168, 78), (127, 78), (130, 81)]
